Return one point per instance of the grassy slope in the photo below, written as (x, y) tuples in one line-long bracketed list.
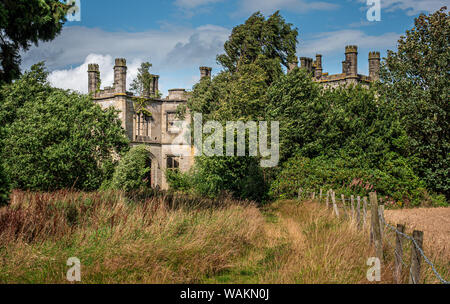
[(119, 242)]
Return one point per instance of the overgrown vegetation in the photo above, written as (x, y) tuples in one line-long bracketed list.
[(56, 139), (392, 136), (157, 238), (133, 171)]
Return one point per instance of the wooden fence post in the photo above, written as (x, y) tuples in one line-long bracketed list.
[(364, 211), (313, 197), (376, 226), (320, 195), (333, 199), (299, 193), (358, 211), (343, 203), (327, 199), (416, 258), (381, 213), (398, 254), (352, 202)]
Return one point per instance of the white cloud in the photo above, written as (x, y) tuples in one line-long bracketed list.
[(331, 42), (412, 7), (270, 6), (172, 51), (189, 4)]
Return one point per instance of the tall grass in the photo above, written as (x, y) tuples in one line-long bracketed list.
[(159, 238)]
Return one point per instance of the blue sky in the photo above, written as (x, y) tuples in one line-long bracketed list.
[(178, 36)]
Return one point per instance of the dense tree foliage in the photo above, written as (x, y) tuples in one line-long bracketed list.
[(23, 23), (133, 171), (416, 82), (253, 60), (55, 138), (4, 186), (353, 139)]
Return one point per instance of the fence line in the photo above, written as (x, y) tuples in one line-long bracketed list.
[(377, 235)]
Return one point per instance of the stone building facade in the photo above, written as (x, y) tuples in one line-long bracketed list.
[(158, 126)]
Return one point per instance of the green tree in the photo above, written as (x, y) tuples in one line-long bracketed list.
[(23, 23), (133, 171), (141, 85), (267, 42), (58, 139), (416, 82)]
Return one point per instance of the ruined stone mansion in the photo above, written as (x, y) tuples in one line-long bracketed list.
[(156, 127)]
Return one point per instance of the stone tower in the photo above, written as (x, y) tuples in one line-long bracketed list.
[(94, 78), (319, 69), (351, 58), (374, 65), (205, 72), (120, 76)]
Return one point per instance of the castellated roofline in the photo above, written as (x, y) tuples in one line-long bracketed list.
[(351, 49), (93, 67), (121, 62), (374, 55)]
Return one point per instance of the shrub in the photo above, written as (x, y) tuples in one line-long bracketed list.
[(133, 171), (395, 180), (4, 187), (57, 139)]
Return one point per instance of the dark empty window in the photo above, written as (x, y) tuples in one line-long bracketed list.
[(173, 162)]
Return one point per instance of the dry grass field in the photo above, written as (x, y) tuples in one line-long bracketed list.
[(434, 222), (179, 239)]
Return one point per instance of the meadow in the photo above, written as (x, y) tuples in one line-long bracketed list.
[(162, 238)]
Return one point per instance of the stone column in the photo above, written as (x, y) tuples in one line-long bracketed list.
[(205, 72), (374, 65), (319, 69), (93, 78), (120, 76), (351, 57)]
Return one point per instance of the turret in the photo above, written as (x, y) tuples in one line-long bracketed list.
[(374, 65), (120, 76), (93, 78), (351, 58), (319, 70), (205, 72)]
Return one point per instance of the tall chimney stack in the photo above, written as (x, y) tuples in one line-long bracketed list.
[(93, 78), (351, 57), (120, 76), (319, 69), (205, 72), (374, 65)]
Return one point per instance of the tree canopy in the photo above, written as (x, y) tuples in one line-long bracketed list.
[(416, 82), (23, 23), (55, 138)]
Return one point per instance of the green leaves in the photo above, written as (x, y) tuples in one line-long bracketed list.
[(26, 22), (133, 171), (416, 83), (57, 139)]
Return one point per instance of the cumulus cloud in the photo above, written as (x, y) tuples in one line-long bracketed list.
[(331, 42), (412, 7), (170, 49), (270, 6), (77, 79)]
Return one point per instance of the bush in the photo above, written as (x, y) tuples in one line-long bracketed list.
[(396, 180), (4, 187), (133, 171), (57, 139)]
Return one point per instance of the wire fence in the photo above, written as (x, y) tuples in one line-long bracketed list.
[(356, 205)]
